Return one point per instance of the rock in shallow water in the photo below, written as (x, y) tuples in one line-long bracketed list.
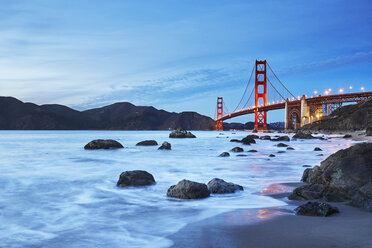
[(282, 145), (224, 154), (180, 133), (102, 144), (186, 189), (237, 149), (135, 178), (219, 186), (317, 149), (303, 135), (147, 143), (316, 209), (165, 146)]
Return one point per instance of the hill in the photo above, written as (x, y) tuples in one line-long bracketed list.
[(17, 115)]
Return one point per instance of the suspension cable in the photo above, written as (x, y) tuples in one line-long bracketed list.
[(245, 90), (248, 99), (227, 110), (275, 88), (280, 81)]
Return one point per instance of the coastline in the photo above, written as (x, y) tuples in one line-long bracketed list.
[(279, 227)]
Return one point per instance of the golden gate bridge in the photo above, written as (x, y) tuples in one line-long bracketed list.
[(299, 111)]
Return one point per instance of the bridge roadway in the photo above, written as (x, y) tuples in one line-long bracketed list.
[(318, 100)]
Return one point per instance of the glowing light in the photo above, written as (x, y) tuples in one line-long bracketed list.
[(317, 116), (326, 92), (329, 89), (315, 92), (350, 87), (341, 91), (362, 88)]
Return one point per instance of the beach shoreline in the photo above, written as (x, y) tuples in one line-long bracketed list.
[(279, 227)]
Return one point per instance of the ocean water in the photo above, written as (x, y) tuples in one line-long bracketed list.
[(56, 194)]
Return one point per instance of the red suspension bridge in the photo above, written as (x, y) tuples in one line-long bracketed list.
[(269, 96)]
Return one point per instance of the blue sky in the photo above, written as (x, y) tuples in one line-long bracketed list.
[(178, 55)]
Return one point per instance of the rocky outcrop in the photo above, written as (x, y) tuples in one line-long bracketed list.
[(280, 138), (369, 131), (147, 143), (180, 133), (186, 189), (219, 186), (165, 146), (343, 176), (135, 178), (347, 118), (316, 209), (224, 154), (363, 198), (300, 134), (103, 144)]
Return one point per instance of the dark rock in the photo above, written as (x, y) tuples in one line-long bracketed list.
[(247, 140), (290, 148), (306, 166), (369, 131), (300, 134), (186, 189), (165, 146), (317, 149), (281, 138), (135, 178), (271, 155), (363, 198), (147, 143), (316, 209), (265, 137), (237, 149), (282, 145), (242, 155), (253, 136), (342, 175), (103, 144), (180, 133), (235, 140), (254, 131), (319, 155), (281, 151), (252, 150), (346, 136), (224, 154), (307, 192), (219, 186)]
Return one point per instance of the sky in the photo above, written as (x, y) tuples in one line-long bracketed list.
[(179, 55)]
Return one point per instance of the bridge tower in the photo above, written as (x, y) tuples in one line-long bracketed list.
[(219, 124), (260, 95)]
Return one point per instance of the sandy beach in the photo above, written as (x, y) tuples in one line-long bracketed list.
[(279, 227)]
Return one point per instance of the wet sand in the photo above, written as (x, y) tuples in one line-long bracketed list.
[(279, 227)]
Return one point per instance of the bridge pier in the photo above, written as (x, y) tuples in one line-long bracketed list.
[(305, 112), (286, 115)]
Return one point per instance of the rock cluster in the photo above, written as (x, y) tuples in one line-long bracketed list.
[(345, 175), (300, 134), (180, 133), (102, 144)]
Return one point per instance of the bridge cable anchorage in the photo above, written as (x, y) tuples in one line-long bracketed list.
[(245, 90), (280, 81), (275, 89), (245, 105)]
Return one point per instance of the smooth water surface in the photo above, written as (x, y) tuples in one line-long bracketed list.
[(56, 194)]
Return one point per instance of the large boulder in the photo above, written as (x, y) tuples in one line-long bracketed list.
[(248, 140), (103, 144), (135, 178), (316, 209), (363, 198), (186, 189), (300, 134), (180, 133), (369, 131), (147, 143), (340, 177), (219, 186), (165, 146)]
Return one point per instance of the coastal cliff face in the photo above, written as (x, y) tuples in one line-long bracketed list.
[(347, 118), (17, 115)]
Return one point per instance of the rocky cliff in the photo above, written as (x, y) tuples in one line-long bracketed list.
[(347, 118)]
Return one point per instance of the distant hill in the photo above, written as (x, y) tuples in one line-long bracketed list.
[(250, 125), (347, 118), (17, 115)]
